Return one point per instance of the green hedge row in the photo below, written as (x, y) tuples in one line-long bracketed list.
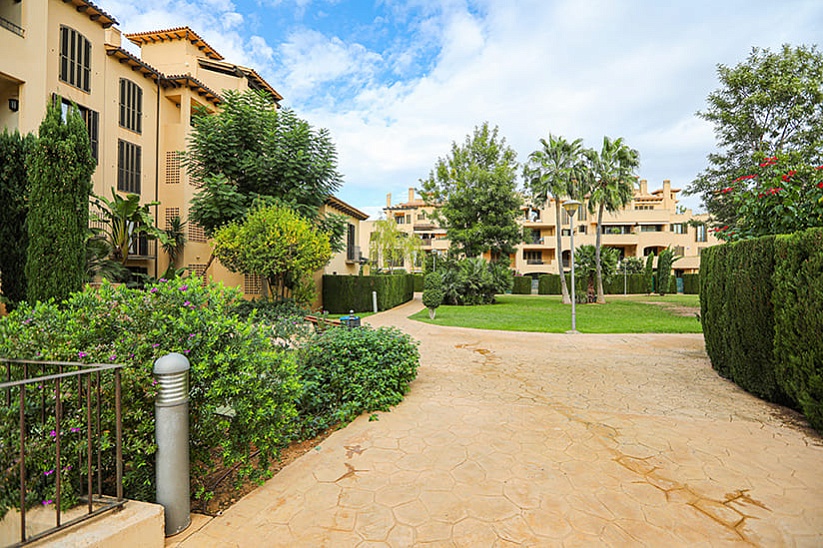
[(344, 293), (549, 284), (418, 282), (522, 285), (691, 284), (761, 307)]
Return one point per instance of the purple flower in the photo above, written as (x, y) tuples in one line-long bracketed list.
[(186, 351), (154, 382), (112, 357), (73, 430), (191, 335), (67, 468), (81, 354), (153, 290), (155, 345), (48, 472), (53, 433), (47, 502), (186, 303), (162, 280), (183, 287)]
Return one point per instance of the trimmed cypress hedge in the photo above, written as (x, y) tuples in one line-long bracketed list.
[(635, 284), (522, 285), (798, 320), (418, 282), (761, 305), (344, 293), (691, 284)]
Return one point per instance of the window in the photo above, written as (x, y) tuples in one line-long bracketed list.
[(639, 207), (533, 257), (131, 106), (90, 117), (129, 164), (75, 59), (196, 233), (678, 228), (351, 251), (408, 219), (700, 233), (400, 219), (651, 228), (421, 216)]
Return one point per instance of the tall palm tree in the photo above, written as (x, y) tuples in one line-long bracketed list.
[(554, 170), (612, 184)]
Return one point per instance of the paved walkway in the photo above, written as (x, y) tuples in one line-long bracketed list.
[(546, 440)]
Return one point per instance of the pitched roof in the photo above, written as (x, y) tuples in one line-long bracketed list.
[(255, 80), (135, 63), (95, 14), (340, 205), (178, 33)]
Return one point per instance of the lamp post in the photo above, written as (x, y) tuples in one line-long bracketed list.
[(571, 207)]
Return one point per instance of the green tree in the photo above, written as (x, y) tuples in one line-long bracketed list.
[(14, 195), (433, 292), (277, 243), (648, 273), (631, 265), (611, 185), (173, 241), (476, 187), (586, 266), (252, 151), (390, 246), (554, 170), (126, 219), (770, 104), (664, 270), (59, 168)]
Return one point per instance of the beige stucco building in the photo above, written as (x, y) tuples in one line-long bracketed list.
[(138, 110), (651, 222)]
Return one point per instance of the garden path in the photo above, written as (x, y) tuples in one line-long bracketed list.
[(546, 440)]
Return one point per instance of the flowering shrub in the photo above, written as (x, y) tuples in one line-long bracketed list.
[(243, 385), (779, 195)]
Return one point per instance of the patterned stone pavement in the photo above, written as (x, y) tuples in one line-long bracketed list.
[(529, 439)]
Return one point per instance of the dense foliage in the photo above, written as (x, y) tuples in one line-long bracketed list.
[(522, 285), (586, 267), (474, 281), (59, 168), (391, 247), (14, 197), (664, 270), (278, 244), (344, 293), (125, 219), (691, 284), (648, 273), (770, 104), (761, 305), (345, 372), (476, 186), (433, 292)]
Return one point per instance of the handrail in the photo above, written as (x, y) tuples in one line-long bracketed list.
[(88, 384)]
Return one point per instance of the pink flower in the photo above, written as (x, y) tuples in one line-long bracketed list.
[(47, 502), (81, 354), (48, 472), (183, 287), (153, 290), (53, 433)]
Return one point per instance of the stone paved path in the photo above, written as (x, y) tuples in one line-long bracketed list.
[(527, 439)]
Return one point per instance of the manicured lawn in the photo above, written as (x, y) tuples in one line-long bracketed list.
[(545, 313)]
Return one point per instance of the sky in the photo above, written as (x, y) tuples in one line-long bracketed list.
[(396, 82)]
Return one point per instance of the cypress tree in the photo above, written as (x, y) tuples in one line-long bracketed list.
[(14, 197), (648, 274), (59, 169)]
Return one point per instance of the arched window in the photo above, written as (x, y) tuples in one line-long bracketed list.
[(75, 59)]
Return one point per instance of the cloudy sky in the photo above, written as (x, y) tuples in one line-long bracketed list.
[(397, 81)]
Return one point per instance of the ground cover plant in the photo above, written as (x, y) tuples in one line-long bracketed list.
[(546, 314)]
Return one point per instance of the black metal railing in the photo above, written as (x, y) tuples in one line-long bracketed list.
[(56, 395)]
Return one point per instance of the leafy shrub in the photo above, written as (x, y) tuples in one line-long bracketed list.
[(285, 318), (798, 320), (243, 387), (522, 285), (348, 371), (344, 293), (433, 292), (648, 273), (419, 282), (474, 281)]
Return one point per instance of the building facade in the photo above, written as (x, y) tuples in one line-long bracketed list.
[(138, 109), (651, 222)]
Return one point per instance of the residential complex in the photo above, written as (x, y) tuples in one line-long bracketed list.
[(651, 222), (138, 110)]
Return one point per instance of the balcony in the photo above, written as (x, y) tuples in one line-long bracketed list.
[(534, 261), (142, 249)]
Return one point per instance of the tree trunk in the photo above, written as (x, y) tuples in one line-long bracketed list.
[(432, 312), (601, 297), (563, 289)]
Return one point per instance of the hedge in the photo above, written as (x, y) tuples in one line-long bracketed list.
[(798, 320), (418, 282), (344, 293), (635, 283), (522, 285), (549, 284), (762, 312), (691, 284)]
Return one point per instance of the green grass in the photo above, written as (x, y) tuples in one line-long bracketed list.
[(546, 314)]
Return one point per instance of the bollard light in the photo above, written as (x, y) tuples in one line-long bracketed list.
[(171, 414)]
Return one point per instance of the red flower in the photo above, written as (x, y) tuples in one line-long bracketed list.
[(819, 167), (789, 175), (726, 190), (769, 161), (745, 177), (820, 184), (775, 190)]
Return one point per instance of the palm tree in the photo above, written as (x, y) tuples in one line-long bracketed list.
[(555, 170), (612, 186)]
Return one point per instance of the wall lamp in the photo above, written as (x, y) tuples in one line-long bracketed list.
[(14, 104)]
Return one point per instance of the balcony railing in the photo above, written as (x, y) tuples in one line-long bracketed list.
[(6, 24), (58, 438), (534, 261)]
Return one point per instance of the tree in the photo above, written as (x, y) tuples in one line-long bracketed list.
[(648, 273), (277, 243), (770, 104), (173, 241), (59, 168), (611, 178), (388, 245), (252, 152), (432, 292), (554, 171), (631, 265), (586, 266), (664, 270), (476, 187), (14, 195), (126, 220)]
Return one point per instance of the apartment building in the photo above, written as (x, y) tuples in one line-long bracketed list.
[(138, 108), (651, 222)]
